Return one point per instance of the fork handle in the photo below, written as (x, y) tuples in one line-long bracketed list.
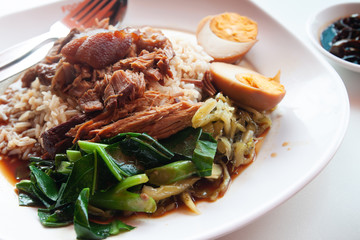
[(16, 53)]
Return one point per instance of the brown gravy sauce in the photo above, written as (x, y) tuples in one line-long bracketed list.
[(9, 167)]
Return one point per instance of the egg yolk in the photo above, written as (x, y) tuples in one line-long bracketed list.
[(260, 81), (234, 27)]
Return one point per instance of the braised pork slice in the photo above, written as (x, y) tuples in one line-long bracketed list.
[(91, 99), (47, 67), (108, 47), (123, 87), (150, 99), (154, 65), (55, 139), (159, 122)]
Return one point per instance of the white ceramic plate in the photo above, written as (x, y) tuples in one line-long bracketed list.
[(321, 20), (308, 127)]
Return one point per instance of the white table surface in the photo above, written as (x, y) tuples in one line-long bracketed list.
[(329, 207)]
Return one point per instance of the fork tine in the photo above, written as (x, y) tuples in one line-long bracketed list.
[(73, 18), (87, 11), (84, 11), (68, 19), (79, 8), (88, 19), (107, 11), (101, 14)]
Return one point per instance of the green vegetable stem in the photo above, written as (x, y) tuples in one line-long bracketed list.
[(119, 198), (171, 172), (89, 230)]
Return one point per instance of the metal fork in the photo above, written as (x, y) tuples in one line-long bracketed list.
[(83, 15)]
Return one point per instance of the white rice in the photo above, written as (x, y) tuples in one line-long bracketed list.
[(29, 112)]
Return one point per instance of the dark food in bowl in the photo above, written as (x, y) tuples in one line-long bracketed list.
[(342, 38)]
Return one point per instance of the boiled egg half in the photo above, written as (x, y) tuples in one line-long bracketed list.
[(247, 87), (227, 37)]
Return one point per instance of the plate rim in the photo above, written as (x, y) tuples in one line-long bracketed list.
[(315, 170)]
